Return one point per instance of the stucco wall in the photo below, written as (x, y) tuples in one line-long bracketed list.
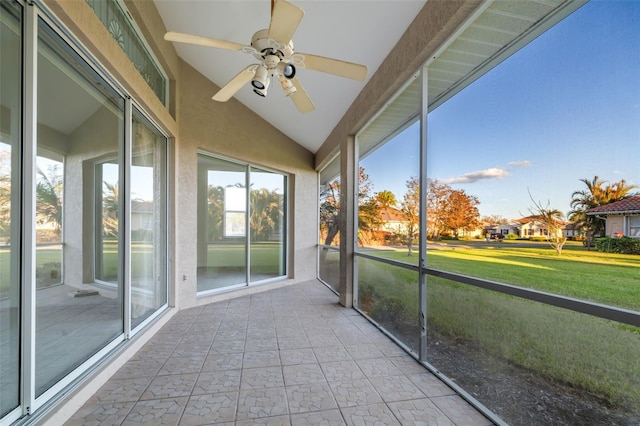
[(614, 224), (195, 122), (233, 131)]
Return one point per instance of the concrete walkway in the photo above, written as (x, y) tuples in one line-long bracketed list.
[(288, 356)]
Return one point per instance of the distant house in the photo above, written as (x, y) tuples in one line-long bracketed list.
[(142, 220), (504, 228), (622, 217), (393, 220), (571, 230), (534, 226)]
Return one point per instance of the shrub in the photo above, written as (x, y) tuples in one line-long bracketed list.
[(624, 245), (511, 237), (538, 238)]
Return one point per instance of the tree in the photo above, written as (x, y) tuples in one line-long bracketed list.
[(410, 207), (461, 212), (329, 210), (110, 200), (368, 207), (552, 220), (266, 212), (330, 207), (436, 204), (49, 198), (215, 207), (450, 209), (597, 193), (386, 199)]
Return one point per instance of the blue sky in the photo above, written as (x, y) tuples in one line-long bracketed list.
[(563, 108)]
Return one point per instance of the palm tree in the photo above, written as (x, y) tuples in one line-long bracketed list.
[(110, 201), (49, 198), (385, 199), (265, 213), (215, 207), (597, 193)]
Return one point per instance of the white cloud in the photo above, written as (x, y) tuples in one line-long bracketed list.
[(492, 173), (524, 163)]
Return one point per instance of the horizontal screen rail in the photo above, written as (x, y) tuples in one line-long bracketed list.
[(388, 261)]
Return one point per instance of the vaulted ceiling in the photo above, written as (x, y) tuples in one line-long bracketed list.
[(360, 31)]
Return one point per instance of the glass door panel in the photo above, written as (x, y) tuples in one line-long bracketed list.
[(81, 120), (267, 224), (222, 227), (148, 220), (106, 210), (10, 138)]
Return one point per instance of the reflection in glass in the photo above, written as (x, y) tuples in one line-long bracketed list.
[(222, 205), (87, 133), (148, 220), (49, 208), (330, 204), (107, 229), (10, 124), (267, 224)]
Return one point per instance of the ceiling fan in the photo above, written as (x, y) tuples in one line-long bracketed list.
[(274, 49)]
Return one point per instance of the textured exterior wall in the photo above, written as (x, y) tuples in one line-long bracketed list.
[(233, 131), (195, 122)]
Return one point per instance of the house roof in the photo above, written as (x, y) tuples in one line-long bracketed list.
[(392, 214), (625, 206), (527, 219), (535, 218)]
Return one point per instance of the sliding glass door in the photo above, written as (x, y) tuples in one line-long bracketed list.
[(241, 235), (10, 139), (148, 219), (78, 312), (267, 205)]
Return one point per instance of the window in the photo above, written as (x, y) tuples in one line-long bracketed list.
[(125, 32), (634, 226), (241, 235)]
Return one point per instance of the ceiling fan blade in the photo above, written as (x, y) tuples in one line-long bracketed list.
[(330, 66), (203, 41), (235, 84), (285, 18), (300, 98)]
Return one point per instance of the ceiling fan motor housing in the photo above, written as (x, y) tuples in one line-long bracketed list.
[(266, 46)]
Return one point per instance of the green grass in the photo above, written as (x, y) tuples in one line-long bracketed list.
[(611, 279), (265, 260), (264, 255), (585, 352)]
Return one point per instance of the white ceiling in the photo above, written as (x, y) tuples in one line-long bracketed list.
[(361, 31)]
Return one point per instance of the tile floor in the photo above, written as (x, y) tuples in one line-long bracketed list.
[(288, 356)]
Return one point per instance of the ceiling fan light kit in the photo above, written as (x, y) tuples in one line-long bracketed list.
[(274, 49)]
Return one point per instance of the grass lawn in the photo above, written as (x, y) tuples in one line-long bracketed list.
[(608, 278), (592, 354)]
